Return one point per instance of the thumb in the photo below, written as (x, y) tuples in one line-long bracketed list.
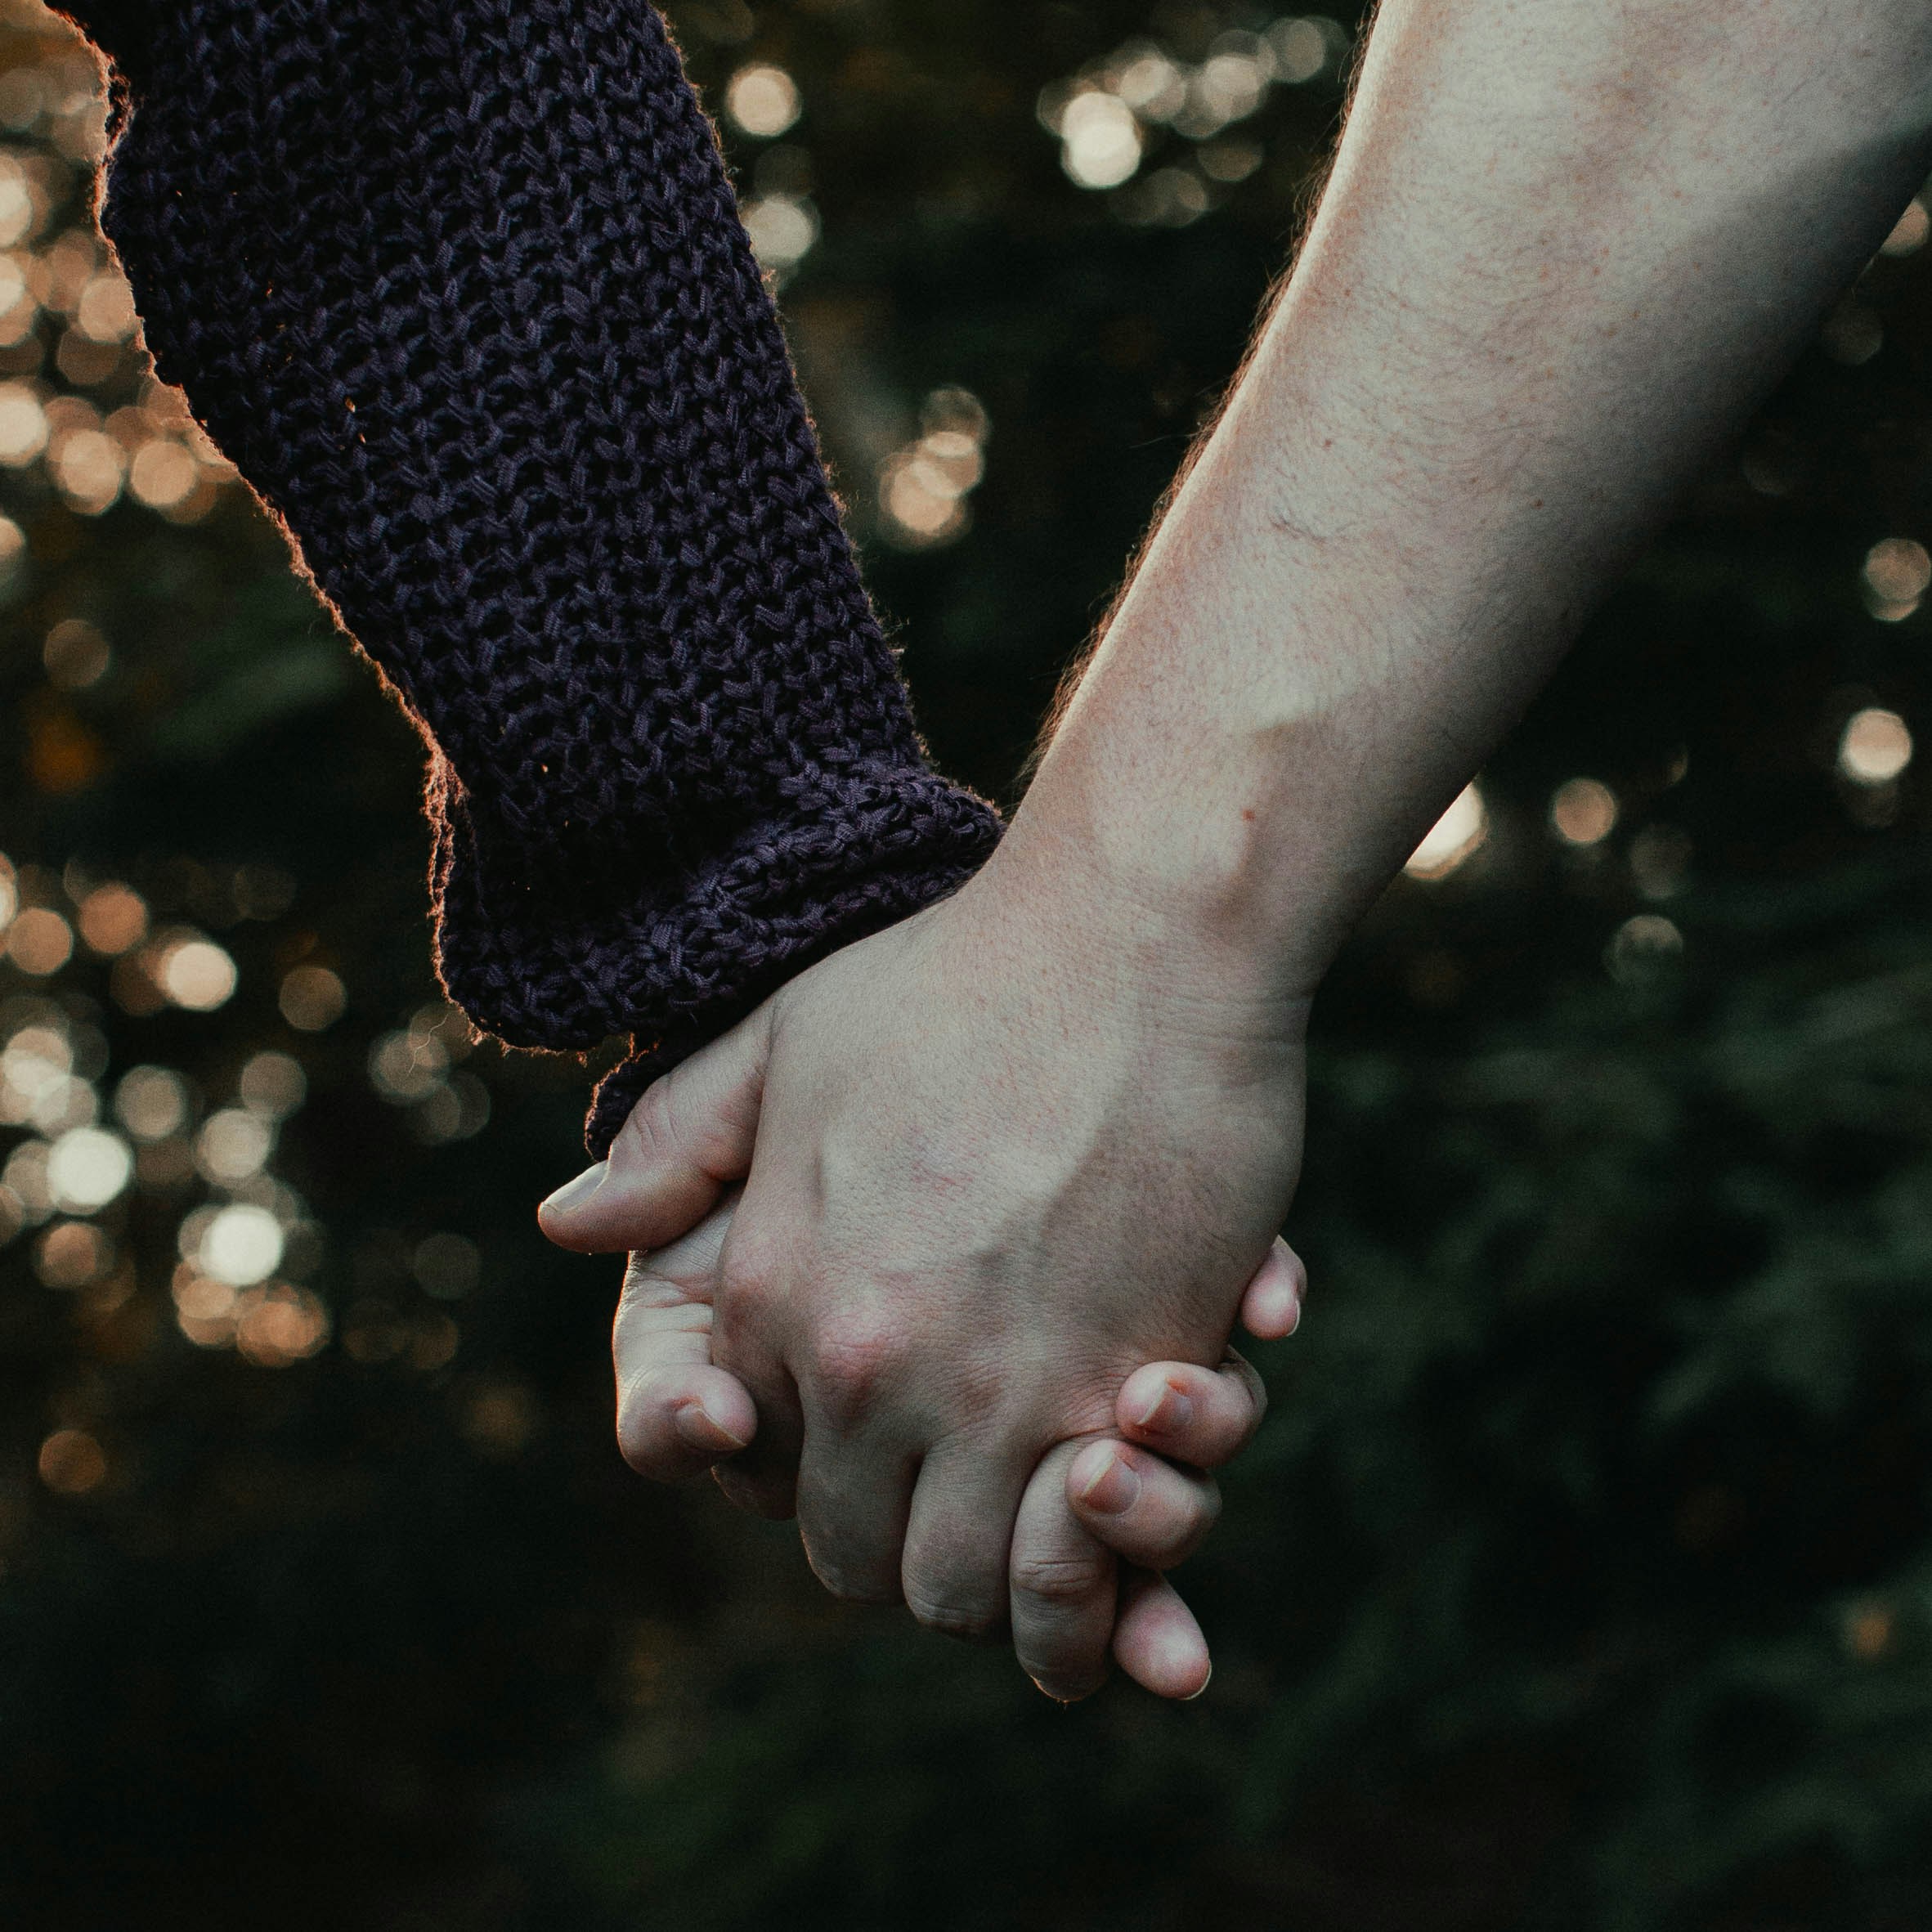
[(1271, 1302), (688, 1139)]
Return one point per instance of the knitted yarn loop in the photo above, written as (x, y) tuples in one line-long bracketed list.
[(461, 287)]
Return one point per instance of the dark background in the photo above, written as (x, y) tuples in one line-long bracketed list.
[(1583, 1576)]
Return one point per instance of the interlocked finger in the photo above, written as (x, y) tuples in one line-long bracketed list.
[(748, 1340), (677, 1414), (853, 1503), (1271, 1303), (960, 1539), (1205, 1417), (1157, 1641), (1143, 1509), (763, 1479), (1063, 1586)]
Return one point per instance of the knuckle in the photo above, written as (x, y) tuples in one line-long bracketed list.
[(1057, 1579), (951, 1617), (1192, 1526), (644, 1404), (647, 1440), (854, 1355), (652, 1130), (748, 1278), (852, 1587)]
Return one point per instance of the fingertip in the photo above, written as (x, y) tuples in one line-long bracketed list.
[(1063, 1694), (1275, 1322), (561, 1214), (1103, 1480), (1180, 1670), (715, 1425), (674, 1425), (1205, 1415), (1152, 1403), (1271, 1304), (1062, 1583), (1158, 1642)]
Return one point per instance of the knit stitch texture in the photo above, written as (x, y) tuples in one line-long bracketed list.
[(460, 287)]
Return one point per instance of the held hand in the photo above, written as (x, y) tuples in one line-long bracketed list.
[(1006, 1154), (678, 1415)]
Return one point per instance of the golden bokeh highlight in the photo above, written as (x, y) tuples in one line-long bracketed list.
[(924, 485), (312, 999), (151, 1102), (763, 101), (73, 1254), (1897, 572), (1909, 233), (783, 229), (278, 1325), (1583, 812), (71, 1463), (112, 920), (1453, 841), (76, 654), (196, 975), (1876, 747), (1641, 948), (40, 941), (87, 1168)]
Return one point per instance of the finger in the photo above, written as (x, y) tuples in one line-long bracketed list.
[(1205, 1417), (773, 1496), (677, 1414), (1142, 1509), (762, 1479), (676, 1424), (852, 1506), (1157, 1641), (1271, 1302), (1062, 1587), (959, 1539), (753, 1291), (688, 1139)]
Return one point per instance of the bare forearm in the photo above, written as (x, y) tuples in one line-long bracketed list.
[(1567, 246)]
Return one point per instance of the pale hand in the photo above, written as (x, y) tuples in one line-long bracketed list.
[(1000, 1157)]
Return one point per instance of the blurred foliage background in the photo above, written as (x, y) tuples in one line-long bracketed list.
[(1583, 1576)]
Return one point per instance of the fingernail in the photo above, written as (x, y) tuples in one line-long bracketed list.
[(573, 1193), (702, 1430), (1166, 1410), (1112, 1490), (1202, 1691)]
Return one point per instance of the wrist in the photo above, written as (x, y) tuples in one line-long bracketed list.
[(1186, 886)]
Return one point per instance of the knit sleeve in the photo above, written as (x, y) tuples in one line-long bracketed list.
[(460, 287)]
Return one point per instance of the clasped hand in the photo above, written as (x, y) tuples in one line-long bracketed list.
[(942, 1249)]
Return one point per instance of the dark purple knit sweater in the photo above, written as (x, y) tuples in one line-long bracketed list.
[(460, 287)]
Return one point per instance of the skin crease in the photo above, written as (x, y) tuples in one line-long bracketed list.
[(999, 1158), (1061, 1600), (1195, 1416)]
